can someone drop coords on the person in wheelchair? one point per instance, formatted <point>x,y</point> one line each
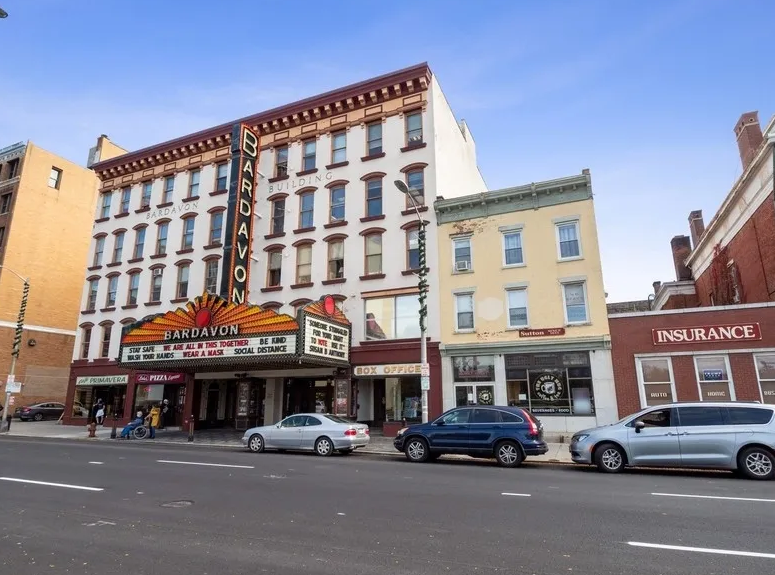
<point>136,422</point>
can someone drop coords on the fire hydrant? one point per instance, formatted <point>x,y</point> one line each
<point>92,428</point>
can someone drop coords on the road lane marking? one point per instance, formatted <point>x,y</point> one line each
<point>204,464</point>
<point>715,497</point>
<point>516,494</point>
<point>702,550</point>
<point>48,484</point>
<point>96,462</point>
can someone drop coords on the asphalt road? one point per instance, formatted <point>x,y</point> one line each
<point>150,511</point>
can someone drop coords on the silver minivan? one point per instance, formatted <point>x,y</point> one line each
<point>731,435</point>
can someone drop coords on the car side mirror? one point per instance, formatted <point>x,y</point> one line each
<point>638,425</point>
<point>277,426</point>
<point>439,422</point>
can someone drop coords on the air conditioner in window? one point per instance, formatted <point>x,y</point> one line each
<point>462,266</point>
<point>158,272</point>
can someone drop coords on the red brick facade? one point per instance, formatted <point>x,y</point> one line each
<point>631,336</point>
<point>753,252</point>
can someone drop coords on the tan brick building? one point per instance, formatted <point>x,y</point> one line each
<point>46,208</point>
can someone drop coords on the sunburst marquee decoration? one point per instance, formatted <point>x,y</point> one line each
<point>209,312</point>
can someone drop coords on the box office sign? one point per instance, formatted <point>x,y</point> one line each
<point>97,380</point>
<point>388,370</point>
<point>707,334</point>
<point>210,331</point>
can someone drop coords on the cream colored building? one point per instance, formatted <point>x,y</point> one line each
<point>524,318</point>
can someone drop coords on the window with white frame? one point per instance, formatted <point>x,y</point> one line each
<point>99,250</point>
<point>193,183</point>
<point>85,342</point>
<point>91,298</point>
<point>55,178</point>
<point>157,277</point>
<point>126,198</point>
<point>517,302</point>
<point>211,276</point>
<point>512,248</point>
<point>139,243</point>
<point>221,177</point>
<point>765,370</point>
<point>145,199</point>
<point>105,205</point>
<point>575,302</point>
<point>169,189</point>
<point>309,148</point>
<point>568,243</point>
<point>464,312</point>
<point>110,298</point>
<point>656,378</point>
<point>134,288</point>
<point>338,148</point>
<point>181,289</point>
<point>105,344</point>
<point>461,248</point>
<point>187,241</point>
<point>118,247</point>
<point>713,378</point>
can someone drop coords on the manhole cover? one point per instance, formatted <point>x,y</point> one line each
<point>178,504</point>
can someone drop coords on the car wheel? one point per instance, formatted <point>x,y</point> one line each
<point>324,447</point>
<point>756,463</point>
<point>256,443</point>
<point>38,417</point>
<point>609,458</point>
<point>347,451</point>
<point>508,454</point>
<point>417,451</point>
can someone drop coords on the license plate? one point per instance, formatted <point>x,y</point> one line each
<point>361,432</point>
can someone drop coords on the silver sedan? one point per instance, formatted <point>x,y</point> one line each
<point>319,432</point>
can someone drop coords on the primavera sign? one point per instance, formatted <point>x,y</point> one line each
<point>210,332</point>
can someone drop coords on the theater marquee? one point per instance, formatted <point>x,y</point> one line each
<point>211,332</point>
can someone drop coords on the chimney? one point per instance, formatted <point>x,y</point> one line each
<point>749,137</point>
<point>656,286</point>
<point>696,226</point>
<point>682,247</point>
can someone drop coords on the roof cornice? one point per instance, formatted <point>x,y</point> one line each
<point>366,93</point>
<point>764,152</point>
<point>571,188</point>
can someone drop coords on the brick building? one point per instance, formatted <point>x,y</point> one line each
<point>46,208</point>
<point>710,333</point>
<point>721,353</point>
<point>732,259</point>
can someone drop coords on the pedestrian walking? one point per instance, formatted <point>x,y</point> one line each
<point>165,410</point>
<point>100,414</point>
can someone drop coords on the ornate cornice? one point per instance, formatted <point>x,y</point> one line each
<point>362,94</point>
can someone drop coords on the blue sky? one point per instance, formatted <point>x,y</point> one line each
<point>645,94</point>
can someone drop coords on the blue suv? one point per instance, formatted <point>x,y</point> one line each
<point>508,434</point>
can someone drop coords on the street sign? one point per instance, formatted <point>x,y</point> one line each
<point>425,370</point>
<point>13,386</point>
<point>425,383</point>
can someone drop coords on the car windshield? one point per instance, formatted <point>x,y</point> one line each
<point>336,418</point>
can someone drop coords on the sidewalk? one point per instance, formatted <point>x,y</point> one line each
<point>379,445</point>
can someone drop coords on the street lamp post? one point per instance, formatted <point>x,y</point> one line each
<point>423,285</point>
<point>17,342</point>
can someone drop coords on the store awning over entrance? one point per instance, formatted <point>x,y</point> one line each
<point>210,334</point>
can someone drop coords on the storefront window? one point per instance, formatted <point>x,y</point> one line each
<point>392,317</point>
<point>403,399</point>
<point>87,396</point>
<point>713,378</point>
<point>472,371</point>
<point>765,368</point>
<point>657,378</point>
<point>550,383</point>
<point>148,396</point>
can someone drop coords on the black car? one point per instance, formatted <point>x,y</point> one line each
<point>40,411</point>
<point>508,434</point>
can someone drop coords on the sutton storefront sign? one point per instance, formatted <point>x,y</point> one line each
<point>543,332</point>
<point>210,331</point>
<point>707,334</point>
<point>239,218</point>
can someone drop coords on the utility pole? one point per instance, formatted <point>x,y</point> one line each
<point>17,342</point>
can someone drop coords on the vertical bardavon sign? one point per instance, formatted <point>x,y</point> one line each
<point>239,220</point>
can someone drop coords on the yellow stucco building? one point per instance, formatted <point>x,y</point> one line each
<point>524,318</point>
